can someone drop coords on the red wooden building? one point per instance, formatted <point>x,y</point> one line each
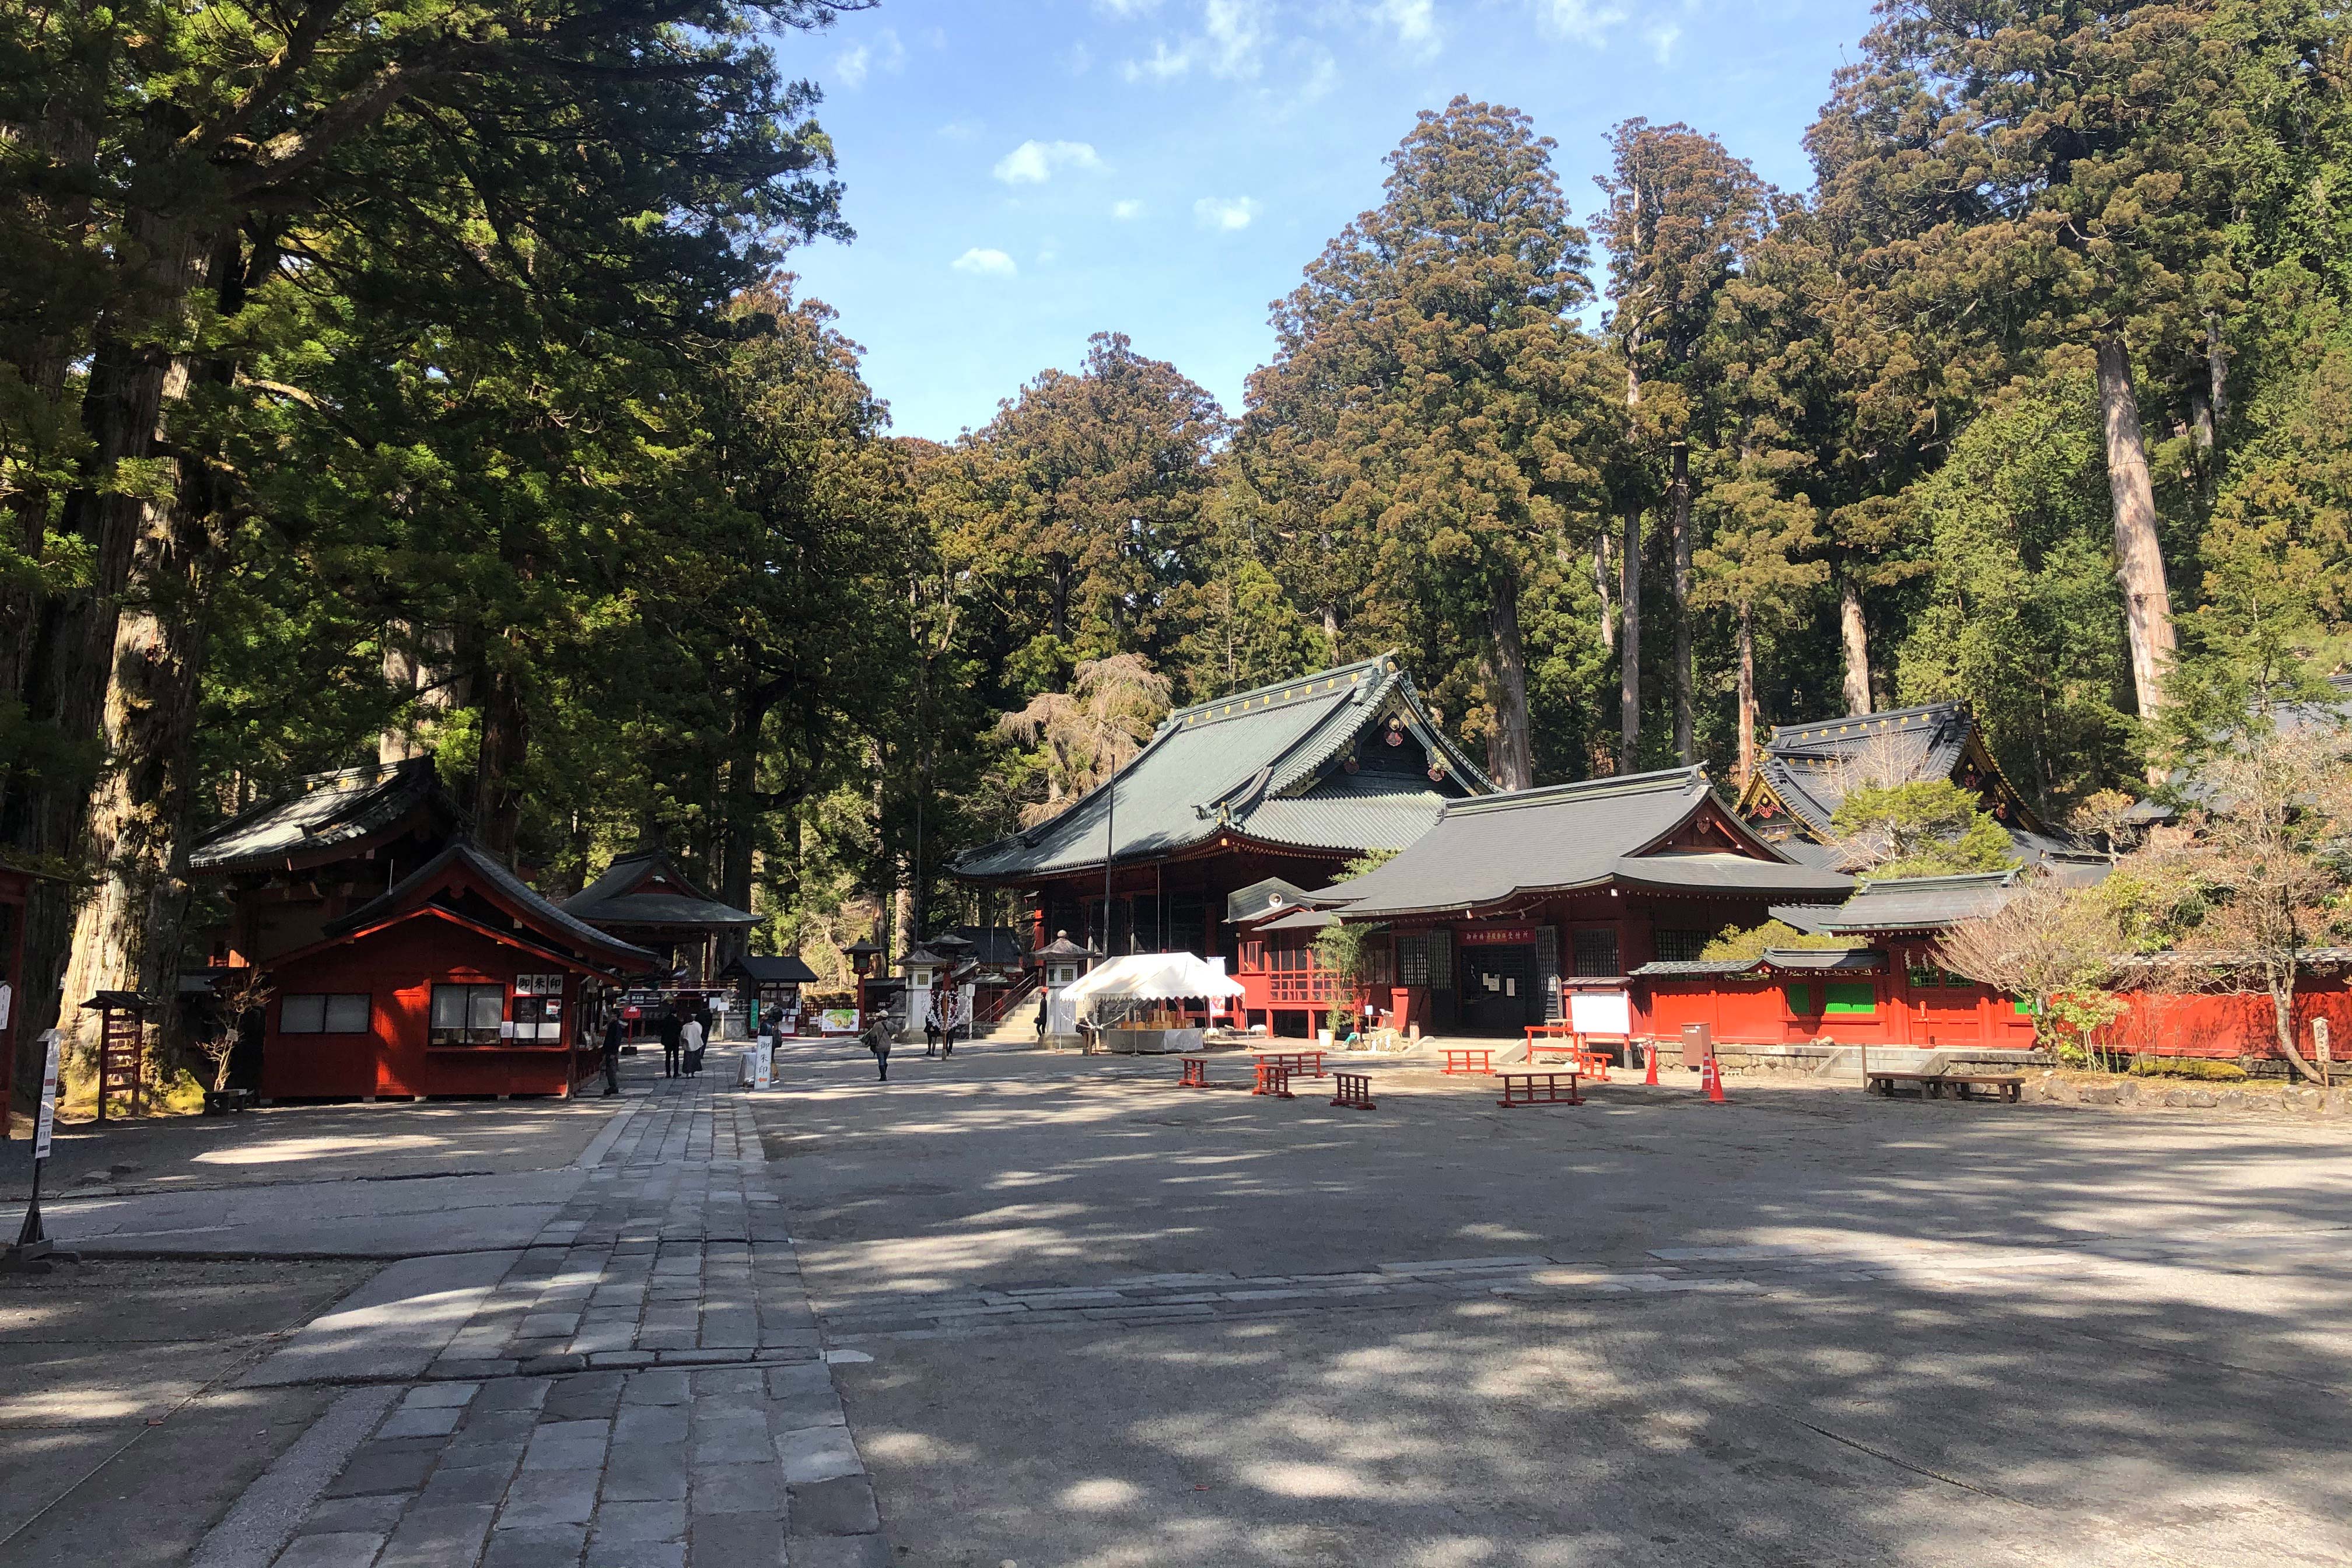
<point>1891,992</point>
<point>1510,903</point>
<point>1288,781</point>
<point>294,865</point>
<point>459,980</point>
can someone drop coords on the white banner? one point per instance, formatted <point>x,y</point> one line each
<point>1600,1011</point>
<point>48,1119</point>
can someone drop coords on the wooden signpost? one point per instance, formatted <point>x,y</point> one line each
<point>32,1253</point>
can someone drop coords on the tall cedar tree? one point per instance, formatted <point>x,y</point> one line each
<point>1681,218</point>
<point>1427,372</point>
<point>2028,177</point>
<point>217,143</point>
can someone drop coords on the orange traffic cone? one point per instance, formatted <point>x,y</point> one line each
<point>1711,1074</point>
<point>1651,1079</point>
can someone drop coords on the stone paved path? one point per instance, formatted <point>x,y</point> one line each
<point>642,1388</point>
<point>1138,1300</point>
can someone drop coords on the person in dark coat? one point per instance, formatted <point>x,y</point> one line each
<point>672,1029</point>
<point>878,1040</point>
<point>614,1033</point>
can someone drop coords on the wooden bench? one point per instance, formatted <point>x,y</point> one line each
<point>2006,1087</point>
<point>1471,1059</point>
<point>1274,1078</point>
<point>1529,1087</point>
<point>1355,1090</point>
<point>1576,1048</point>
<point>1308,1064</point>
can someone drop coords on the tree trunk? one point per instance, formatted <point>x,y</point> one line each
<point>2281,990</point>
<point>1513,751</point>
<point>2217,371</point>
<point>1855,638</point>
<point>506,742</point>
<point>1629,646</point>
<point>2140,558</point>
<point>1604,587</point>
<point>419,666</point>
<point>1685,737</point>
<point>1331,630</point>
<point>134,379</point>
<point>1747,694</point>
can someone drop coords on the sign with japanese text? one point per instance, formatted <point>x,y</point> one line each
<point>48,1115</point>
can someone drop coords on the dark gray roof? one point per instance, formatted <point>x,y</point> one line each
<point>1572,836</point>
<point>550,918</point>
<point>1302,920</point>
<point>610,901</point>
<point>1809,766</point>
<point>1920,903</point>
<point>1248,903</point>
<point>1864,960</point>
<point>2186,787</point>
<point>770,969</point>
<point>1265,765</point>
<point>326,811</point>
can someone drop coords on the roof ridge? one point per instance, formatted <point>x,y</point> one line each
<point>1946,880</point>
<point>1583,789</point>
<point>1298,686</point>
<point>1833,726</point>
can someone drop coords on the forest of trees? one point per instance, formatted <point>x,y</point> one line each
<point>377,379</point>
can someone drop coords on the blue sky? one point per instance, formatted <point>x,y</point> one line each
<point>1023,174</point>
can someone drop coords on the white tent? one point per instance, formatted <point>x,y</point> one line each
<point>1153,977</point>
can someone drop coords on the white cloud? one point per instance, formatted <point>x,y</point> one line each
<point>1238,35</point>
<point>1077,59</point>
<point>1321,77</point>
<point>1233,43</point>
<point>1225,216</point>
<point>985,263</point>
<point>1414,21</point>
<point>1165,64</point>
<point>1585,21</point>
<point>1125,210</point>
<point>1127,9</point>
<point>1035,162</point>
<point>886,53</point>
<point>1662,40</point>
<point>961,129</point>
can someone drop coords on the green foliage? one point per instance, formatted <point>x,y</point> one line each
<point>2198,1068</point>
<point>2022,617</point>
<point>1930,828</point>
<point>1734,944</point>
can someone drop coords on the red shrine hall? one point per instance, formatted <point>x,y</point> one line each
<point>1512,905</point>
<point>404,961</point>
<point>1280,786</point>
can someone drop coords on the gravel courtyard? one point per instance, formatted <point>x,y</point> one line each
<point>1113,1322</point>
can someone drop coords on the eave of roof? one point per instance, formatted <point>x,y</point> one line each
<point>529,905</point>
<point>330,816</point>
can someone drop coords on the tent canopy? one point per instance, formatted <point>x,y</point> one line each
<point>1153,977</point>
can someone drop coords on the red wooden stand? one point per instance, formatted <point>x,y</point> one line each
<point>1355,1091</point>
<point>1539,1089</point>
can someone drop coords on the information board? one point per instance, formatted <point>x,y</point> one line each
<point>1600,1011</point>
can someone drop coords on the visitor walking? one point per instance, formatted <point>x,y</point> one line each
<point>672,1030</point>
<point>950,1015</point>
<point>615,1032</point>
<point>878,1040</point>
<point>692,1036</point>
<point>931,1026</point>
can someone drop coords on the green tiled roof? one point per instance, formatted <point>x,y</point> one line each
<point>1264,765</point>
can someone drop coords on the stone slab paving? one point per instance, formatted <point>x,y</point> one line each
<point>643,1387</point>
<point>1159,1299</point>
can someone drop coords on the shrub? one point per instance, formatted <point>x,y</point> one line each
<point>2187,1066</point>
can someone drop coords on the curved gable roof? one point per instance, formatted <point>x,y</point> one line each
<point>1255,764</point>
<point>461,861</point>
<point>1573,836</point>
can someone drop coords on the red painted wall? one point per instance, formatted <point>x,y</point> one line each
<point>2229,1026</point>
<point>397,968</point>
<point>1742,1011</point>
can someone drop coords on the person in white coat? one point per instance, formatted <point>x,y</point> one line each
<point>690,1036</point>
